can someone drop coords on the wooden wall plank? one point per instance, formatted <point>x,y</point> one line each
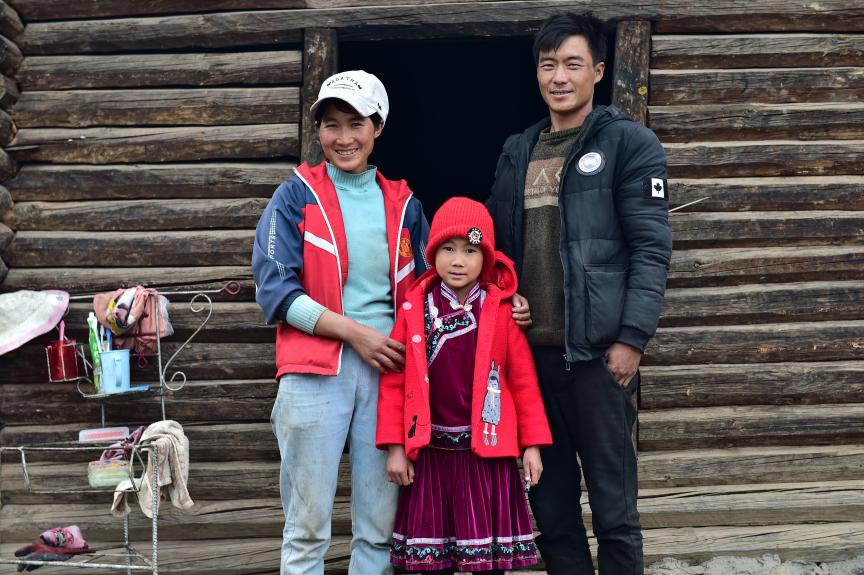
<point>761,194</point>
<point>7,129</point>
<point>6,237</point>
<point>765,158</point>
<point>767,86</point>
<point>8,92</point>
<point>666,387</point>
<point>157,144</point>
<point>128,215</point>
<point>185,248</point>
<point>8,166</point>
<point>840,121</point>
<point>84,280</point>
<point>422,20</point>
<point>320,61</point>
<point>10,21</point>
<point>632,62</point>
<point>114,182</point>
<point>762,343</point>
<point>692,268</point>
<point>153,70</point>
<point>741,465</point>
<point>10,56</point>
<point>36,10</point>
<point>178,107</point>
<point>736,426</point>
<point>724,229</point>
<point>4,271</point>
<point>680,52</point>
<point>748,304</point>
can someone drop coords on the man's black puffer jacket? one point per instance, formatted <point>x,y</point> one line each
<point>615,238</point>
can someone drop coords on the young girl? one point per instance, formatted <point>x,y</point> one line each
<point>466,403</point>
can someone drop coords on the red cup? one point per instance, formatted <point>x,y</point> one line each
<point>62,360</point>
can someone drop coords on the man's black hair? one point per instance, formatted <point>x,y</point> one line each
<point>342,106</point>
<point>556,29</point>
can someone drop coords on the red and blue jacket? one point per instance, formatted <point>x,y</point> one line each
<point>300,248</point>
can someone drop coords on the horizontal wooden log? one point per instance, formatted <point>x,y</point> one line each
<point>755,122</point>
<point>152,70</point>
<point>5,204</point>
<point>767,86</point>
<point>36,10</point>
<point>747,304</point>
<point>7,129</point>
<point>157,144</point>
<point>175,107</point>
<point>8,166</point>
<point>10,22</point>
<point>9,93</point>
<point>737,426</point>
<point>738,465</point>
<point>764,194</point>
<point>128,215</point>
<point>6,236</point>
<point>190,248</point>
<point>692,268</point>
<point>198,180</point>
<point>200,361</point>
<point>10,57</point>
<point>740,384</point>
<point>765,158</point>
<point>763,343</point>
<point>84,280</point>
<point>756,51</point>
<point>4,271</point>
<point>723,229</point>
<point>207,442</point>
<point>423,20</point>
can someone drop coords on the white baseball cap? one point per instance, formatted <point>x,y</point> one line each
<point>362,90</point>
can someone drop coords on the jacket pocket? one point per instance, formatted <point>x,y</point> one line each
<point>605,287</point>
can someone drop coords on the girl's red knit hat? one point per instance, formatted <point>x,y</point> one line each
<point>463,218</point>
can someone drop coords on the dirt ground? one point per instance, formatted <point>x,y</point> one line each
<point>765,565</point>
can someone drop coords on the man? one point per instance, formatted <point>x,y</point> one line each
<point>580,201</point>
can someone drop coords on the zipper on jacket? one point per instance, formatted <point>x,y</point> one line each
<point>396,254</point>
<point>338,261</point>
<point>561,235</point>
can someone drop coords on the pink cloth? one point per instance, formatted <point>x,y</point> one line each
<point>131,317</point>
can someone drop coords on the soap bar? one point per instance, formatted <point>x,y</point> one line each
<point>107,473</point>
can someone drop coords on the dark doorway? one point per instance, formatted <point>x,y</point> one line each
<point>452,105</point>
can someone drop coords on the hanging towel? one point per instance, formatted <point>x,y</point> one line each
<point>173,457</point>
<point>130,314</point>
<point>26,314</point>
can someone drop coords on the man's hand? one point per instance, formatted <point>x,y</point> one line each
<point>532,466</point>
<point>381,352</point>
<point>521,311</point>
<point>400,470</point>
<point>623,361</point>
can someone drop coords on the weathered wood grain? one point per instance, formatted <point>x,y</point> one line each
<point>114,182</point>
<point>4,271</point>
<point>151,70</point>
<point>692,268</point>
<point>128,215</point>
<point>8,166</point>
<point>725,229</point>
<point>765,158</point>
<point>6,237</point>
<point>10,21</point>
<point>10,56</point>
<point>739,465</point>
<point>763,343</point>
<point>320,58</point>
<point>754,303</point>
<point>757,121</point>
<point>9,93</point>
<point>36,10</point>
<point>738,426</point>
<point>5,204</point>
<point>756,51</point>
<point>765,194</point>
<point>767,85</point>
<point>83,281</point>
<point>177,107</point>
<point>422,20</point>
<point>7,128</point>
<point>157,144</point>
<point>632,62</point>
<point>791,383</point>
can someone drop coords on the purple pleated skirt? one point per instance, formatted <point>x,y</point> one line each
<point>463,511</point>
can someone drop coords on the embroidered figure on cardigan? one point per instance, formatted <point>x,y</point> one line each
<point>492,405</point>
<point>413,429</point>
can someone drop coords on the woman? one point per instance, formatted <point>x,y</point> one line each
<point>335,251</point>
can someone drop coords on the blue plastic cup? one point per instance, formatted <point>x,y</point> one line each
<point>115,371</point>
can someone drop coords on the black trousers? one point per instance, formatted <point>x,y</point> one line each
<point>590,415</point>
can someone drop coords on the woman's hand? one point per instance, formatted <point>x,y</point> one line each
<point>381,352</point>
<point>521,311</point>
<point>532,466</point>
<point>400,470</point>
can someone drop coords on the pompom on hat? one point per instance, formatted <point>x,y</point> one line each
<point>464,218</point>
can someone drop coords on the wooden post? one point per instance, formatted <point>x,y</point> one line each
<point>632,61</point>
<point>320,57</point>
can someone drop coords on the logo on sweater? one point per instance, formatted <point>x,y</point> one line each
<point>590,163</point>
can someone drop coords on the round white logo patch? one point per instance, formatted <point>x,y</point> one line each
<point>590,163</point>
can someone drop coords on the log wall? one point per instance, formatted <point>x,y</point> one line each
<point>145,139</point>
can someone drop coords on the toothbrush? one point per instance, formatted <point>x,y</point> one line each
<point>62,330</point>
